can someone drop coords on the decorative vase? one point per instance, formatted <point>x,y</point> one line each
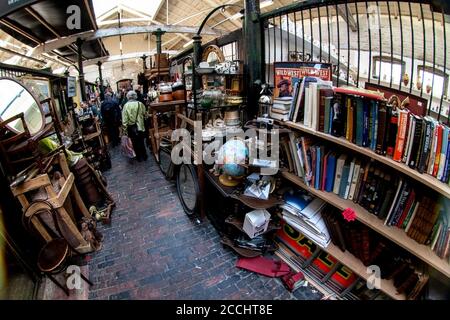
<point>419,84</point>
<point>405,79</point>
<point>428,88</point>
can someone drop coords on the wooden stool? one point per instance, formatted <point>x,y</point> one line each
<point>52,260</point>
<point>54,255</point>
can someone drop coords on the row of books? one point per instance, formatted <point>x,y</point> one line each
<point>396,200</point>
<point>368,120</point>
<point>371,249</point>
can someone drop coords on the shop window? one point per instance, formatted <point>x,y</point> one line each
<point>231,51</point>
<point>383,72</point>
<point>440,84</point>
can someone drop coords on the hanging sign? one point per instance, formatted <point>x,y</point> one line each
<point>71,87</point>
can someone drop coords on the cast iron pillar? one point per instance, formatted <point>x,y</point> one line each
<point>80,69</point>
<point>197,58</point>
<point>100,77</point>
<point>144,64</point>
<point>253,57</point>
<point>158,33</point>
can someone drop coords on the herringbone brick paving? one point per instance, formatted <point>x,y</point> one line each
<point>152,250</point>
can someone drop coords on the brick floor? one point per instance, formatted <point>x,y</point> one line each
<point>152,250</point>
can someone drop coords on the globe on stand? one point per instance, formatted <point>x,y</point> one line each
<point>231,158</point>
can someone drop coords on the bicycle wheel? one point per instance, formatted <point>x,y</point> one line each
<point>165,163</point>
<point>188,188</point>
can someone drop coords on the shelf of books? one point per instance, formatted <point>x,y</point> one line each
<point>397,235</point>
<point>426,179</point>
<point>347,259</point>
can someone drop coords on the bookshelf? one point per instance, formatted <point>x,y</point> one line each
<point>424,178</point>
<point>354,264</point>
<point>392,233</point>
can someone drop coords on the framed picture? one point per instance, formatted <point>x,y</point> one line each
<point>288,73</point>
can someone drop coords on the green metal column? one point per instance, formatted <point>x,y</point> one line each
<point>158,33</point>
<point>100,78</point>
<point>80,69</point>
<point>253,57</point>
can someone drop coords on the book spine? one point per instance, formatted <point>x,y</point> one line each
<point>418,137</point>
<point>401,134</point>
<point>373,140</point>
<point>411,138</point>
<point>349,122</point>
<point>337,179</point>
<point>408,137</point>
<point>423,155</point>
<point>358,184</point>
<point>434,140</point>
<point>349,179</point>
<point>382,124</point>
<point>391,131</point>
<point>438,151</point>
<point>443,158</point>
<point>321,125</point>
<point>331,169</point>
<point>354,181</point>
<point>366,127</point>
<point>447,160</point>
<point>359,121</point>
<point>294,101</point>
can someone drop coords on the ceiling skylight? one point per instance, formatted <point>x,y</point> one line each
<point>144,6</point>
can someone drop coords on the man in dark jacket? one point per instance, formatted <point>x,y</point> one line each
<point>111,115</point>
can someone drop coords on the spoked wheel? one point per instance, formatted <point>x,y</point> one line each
<point>165,163</point>
<point>188,188</point>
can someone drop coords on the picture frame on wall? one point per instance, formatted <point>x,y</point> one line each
<point>286,74</point>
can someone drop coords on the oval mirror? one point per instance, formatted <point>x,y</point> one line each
<point>16,98</point>
<point>213,55</point>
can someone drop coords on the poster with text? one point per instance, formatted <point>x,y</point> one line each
<point>288,73</point>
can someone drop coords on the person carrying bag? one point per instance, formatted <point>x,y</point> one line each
<point>133,115</point>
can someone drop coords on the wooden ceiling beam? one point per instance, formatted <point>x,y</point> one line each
<point>111,32</point>
<point>225,13</point>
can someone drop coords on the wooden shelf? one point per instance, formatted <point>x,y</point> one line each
<point>394,234</point>
<point>230,192</point>
<point>92,136</point>
<point>349,260</point>
<point>426,179</point>
<point>314,282</point>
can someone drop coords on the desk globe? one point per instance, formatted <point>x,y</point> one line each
<point>231,158</point>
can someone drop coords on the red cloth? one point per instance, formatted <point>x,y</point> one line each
<point>264,266</point>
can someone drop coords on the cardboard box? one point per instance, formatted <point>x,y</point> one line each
<point>256,222</point>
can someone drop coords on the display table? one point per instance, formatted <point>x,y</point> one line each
<point>156,133</point>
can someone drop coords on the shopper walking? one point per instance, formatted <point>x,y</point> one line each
<point>133,124</point>
<point>111,115</point>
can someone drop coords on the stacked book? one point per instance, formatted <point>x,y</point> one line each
<point>281,108</point>
<point>303,212</point>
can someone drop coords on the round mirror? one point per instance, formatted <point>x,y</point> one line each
<point>17,99</point>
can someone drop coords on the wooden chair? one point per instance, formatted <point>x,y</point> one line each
<point>55,255</point>
<point>19,150</point>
